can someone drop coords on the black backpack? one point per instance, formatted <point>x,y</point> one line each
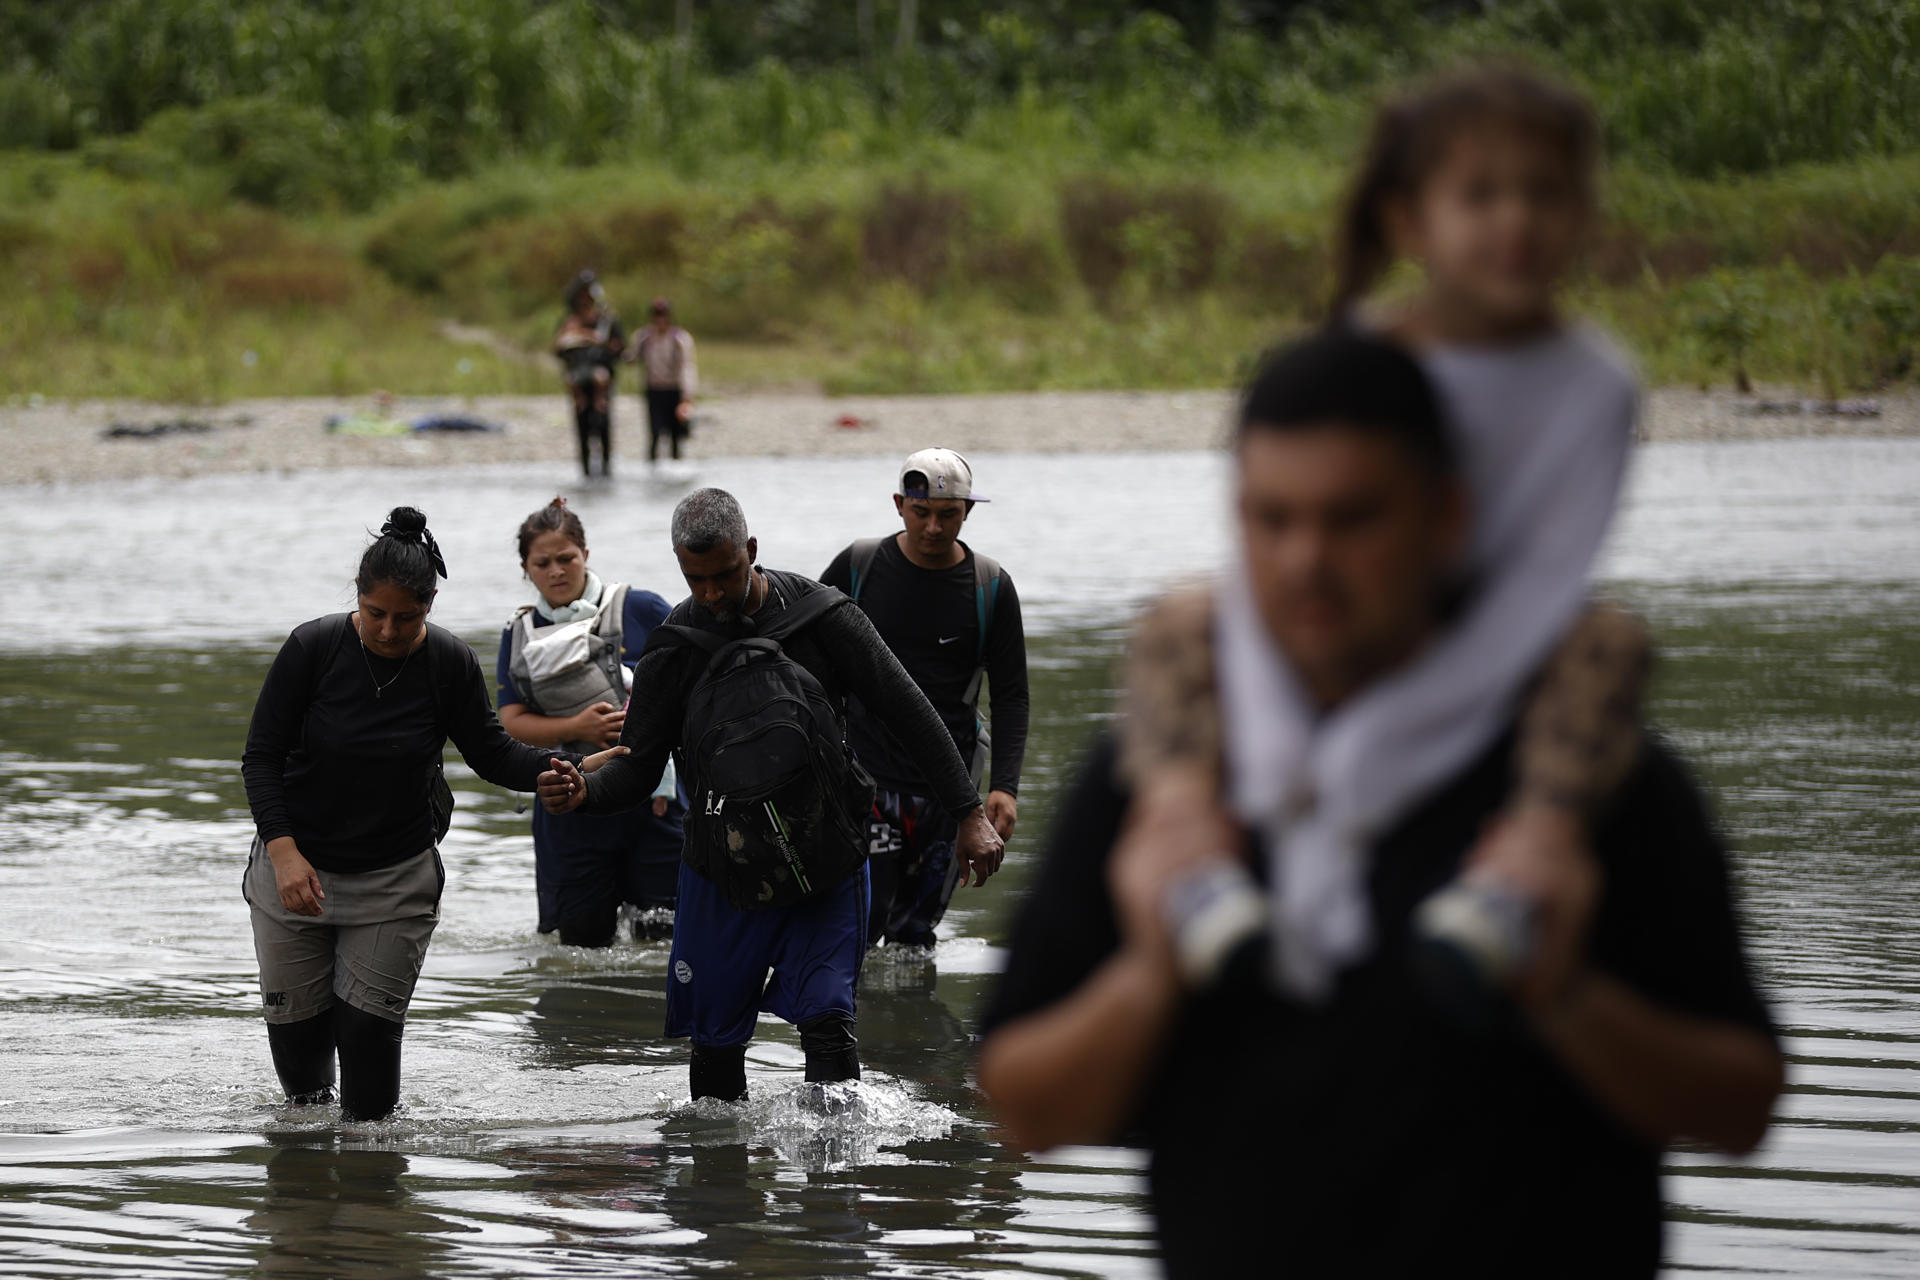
<point>779,805</point>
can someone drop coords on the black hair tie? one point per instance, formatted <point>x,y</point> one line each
<point>433,549</point>
<point>420,538</point>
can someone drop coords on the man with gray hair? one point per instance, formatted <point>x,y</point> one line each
<point>762,662</point>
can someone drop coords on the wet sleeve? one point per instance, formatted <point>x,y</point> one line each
<point>839,574</point>
<point>505,693</point>
<point>279,715</point>
<point>1067,927</point>
<point>1667,925</point>
<point>644,611</point>
<point>1007,690</point>
<point>652,729</point>
<point>689,370</point>
<point>868,670</point>
<point>475,730</point>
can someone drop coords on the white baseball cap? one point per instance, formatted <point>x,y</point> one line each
<point>948,476</point>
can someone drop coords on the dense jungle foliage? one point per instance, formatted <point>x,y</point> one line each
<point>892,194</point>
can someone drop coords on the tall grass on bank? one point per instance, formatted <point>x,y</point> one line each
<point>964,270</point>
<point>209,198</point>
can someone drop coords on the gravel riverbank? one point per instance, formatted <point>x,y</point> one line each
<point>66,442</point>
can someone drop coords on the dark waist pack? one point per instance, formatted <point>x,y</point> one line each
<point>779,805</point>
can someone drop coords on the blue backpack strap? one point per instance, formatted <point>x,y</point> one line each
<point>986,591</point>
<point>859,564</point>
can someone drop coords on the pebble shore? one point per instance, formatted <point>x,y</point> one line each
<point>63,442</point>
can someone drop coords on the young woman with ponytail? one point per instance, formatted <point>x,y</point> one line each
<point>562,679</point>
<point>1483,184</point>
<point>342,770</point>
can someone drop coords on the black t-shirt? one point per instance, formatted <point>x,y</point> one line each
<point>930,619</point>
<point>1372,1136</point>
<point>347,773</point>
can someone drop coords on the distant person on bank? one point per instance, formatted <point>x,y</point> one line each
<point>774,890</point>
<point>563,669</point>
<point>952,617</point>
<point>665,353</point>
<point>1367,1127</point>
<point>590,338</point>
<point>342,770</point>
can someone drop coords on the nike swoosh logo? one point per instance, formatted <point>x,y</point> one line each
<point>948,639</point>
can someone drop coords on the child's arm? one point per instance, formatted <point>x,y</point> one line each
<point>1580,732</point>
<point>1170,721</point>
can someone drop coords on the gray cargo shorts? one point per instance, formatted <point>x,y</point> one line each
<point>366,947</point>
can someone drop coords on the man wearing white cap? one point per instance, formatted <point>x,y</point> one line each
<point>952,618</point>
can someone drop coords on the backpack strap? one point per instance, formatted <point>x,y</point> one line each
<point>442,673</point>
<point>791,619</point>
<point>803,611</point>
<point>669,635</point>
<point>340,635</point>
<point>859,564</point>
<point>986,591</point>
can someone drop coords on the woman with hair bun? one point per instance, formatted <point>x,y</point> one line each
<point>342,770</point>
<point>563,674</point>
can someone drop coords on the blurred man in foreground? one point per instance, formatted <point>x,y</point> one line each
<point>1372,1129</point>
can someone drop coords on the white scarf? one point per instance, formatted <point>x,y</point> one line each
<point>585,607</point>
<point>1545,431</point>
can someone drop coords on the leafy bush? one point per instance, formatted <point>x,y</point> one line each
<point>1880,317</point>
<point>909,233</point>
<point>1730,316</point>
<point>414,244</point>
<point>272,153</point>
<point>443,87</point>
<point>34,111</point>
<point>1166,240</point>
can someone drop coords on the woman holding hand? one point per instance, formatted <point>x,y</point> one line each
<point>342,770</point>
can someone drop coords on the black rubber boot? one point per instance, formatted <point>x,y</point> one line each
<point>591,928</point>
<point>583,428</point>
<point>601,428</point>
<point>303,1057</point>
<point>833,1052</point>
<point>719,1071</point>
<point>369,1063</point>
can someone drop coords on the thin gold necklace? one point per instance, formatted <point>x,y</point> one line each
<point>377,686</point>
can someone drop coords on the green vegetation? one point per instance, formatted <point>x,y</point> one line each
<point>209,198</point>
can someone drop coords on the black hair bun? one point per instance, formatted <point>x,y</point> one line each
<point>405,522</point>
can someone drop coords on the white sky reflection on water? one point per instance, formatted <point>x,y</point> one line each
<point>138,1122</point>
<point>223,558</point>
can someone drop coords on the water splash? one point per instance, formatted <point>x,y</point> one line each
<point>821,1128</point>
<point>899,966</point>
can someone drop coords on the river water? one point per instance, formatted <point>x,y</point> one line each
<point>545,1130</point>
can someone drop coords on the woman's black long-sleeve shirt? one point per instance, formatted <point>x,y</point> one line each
<point>347,772</point>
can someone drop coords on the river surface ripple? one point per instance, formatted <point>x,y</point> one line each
<point>545,1129</point>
